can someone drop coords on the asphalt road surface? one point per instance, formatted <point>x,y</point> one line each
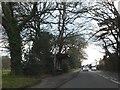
<point>90,79</point>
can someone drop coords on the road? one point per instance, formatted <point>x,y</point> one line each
<point>90,79</point>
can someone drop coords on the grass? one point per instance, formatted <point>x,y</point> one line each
<point>12,81</point>
<point>6,72</point>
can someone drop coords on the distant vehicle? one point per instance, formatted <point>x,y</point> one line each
<point>93,68</point>
<point>85,68</point>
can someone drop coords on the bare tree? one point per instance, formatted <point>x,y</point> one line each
<point>108,18</point>
<point>13,27</point>
<point>105,13</point>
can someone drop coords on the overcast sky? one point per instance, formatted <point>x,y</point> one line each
<point>94,53</point>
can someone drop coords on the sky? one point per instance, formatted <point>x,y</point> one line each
<point>117,5</point>
<point>94,53</point>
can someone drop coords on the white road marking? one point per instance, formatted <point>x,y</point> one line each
<point>109,78</point>
<point>115,81</point>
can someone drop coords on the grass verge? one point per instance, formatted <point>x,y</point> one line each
<point>12,81</point>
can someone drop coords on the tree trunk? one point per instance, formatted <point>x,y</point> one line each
<point>15,53</point>
<point>15,44</point>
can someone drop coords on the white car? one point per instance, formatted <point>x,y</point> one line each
<point>85,68</point>
<point>93,68</point>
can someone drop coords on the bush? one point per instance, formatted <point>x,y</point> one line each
<point>65,65</point>
<point>34,66</point>
<point>39,60</point>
